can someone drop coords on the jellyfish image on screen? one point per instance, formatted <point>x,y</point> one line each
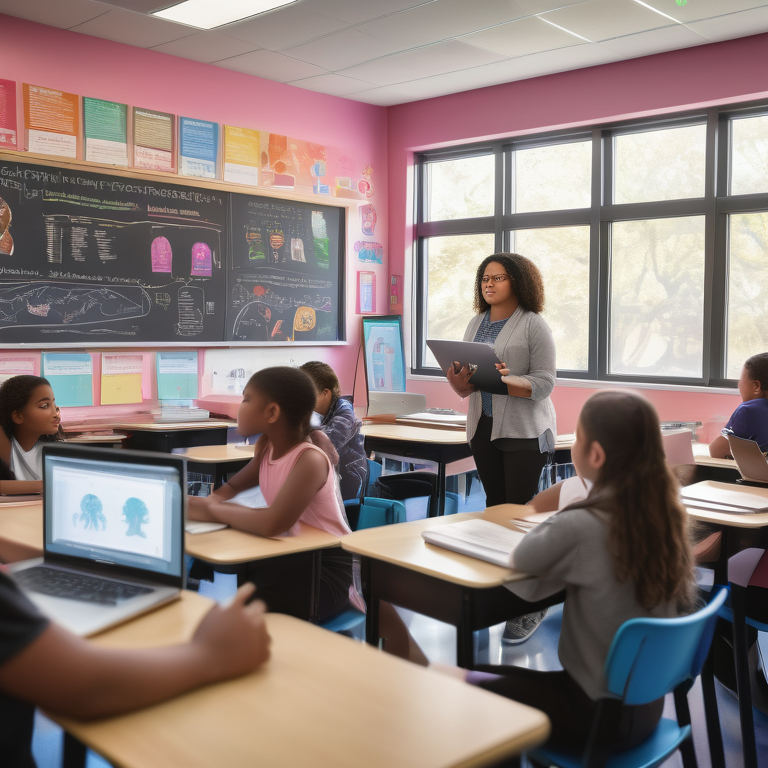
<point>91,513</point>
<point>136,514</point>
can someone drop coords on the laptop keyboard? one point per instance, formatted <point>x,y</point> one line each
<point>77,586</point>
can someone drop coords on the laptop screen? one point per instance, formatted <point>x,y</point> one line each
<point>122,512</point>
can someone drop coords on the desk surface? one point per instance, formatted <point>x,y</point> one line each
<point>402,545</point>
<point>406,432</point>
<point>218,454</point>
<point>703,459</point>
<point>321,700</point>
<point>170,426</point>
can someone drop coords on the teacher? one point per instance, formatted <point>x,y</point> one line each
<point>510,435</point>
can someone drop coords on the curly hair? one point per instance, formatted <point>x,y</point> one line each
<point>14,395</point>
<point>527,283</point>
<point>323,376</point>
<point>757,370</point>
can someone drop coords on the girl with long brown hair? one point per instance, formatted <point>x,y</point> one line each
<point>621,553</point>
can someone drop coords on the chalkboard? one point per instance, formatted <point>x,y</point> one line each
<point>87,257</point>
<point>286,277</point>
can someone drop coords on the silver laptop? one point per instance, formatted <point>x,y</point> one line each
<point>395,403</point>
<point>113,536</point>
<point>752,465</point>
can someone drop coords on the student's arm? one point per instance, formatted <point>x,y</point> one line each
<point>551,549</point>
<point>539,382</point>
<point>720,448</point>
<point>69,676</point>
<point>21,486</point>
<point>302,484</point>
<point>547,500</point>
<point>341,428</point>
<point>323,442</point>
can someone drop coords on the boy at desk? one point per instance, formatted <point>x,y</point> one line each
<point>750,420</point>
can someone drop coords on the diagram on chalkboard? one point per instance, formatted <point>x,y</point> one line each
<point>53,303</point>
<point>191,301</point>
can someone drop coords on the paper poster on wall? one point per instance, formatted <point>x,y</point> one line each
<point>366,293</point>
<point>368,219</point>
<point>177,375</point>
<point>198,148</point>
<point>384,354</point>
<point>71,377</point>
<point>51,120</point>
<point>105,125</point>
<point>153,140</point>
<point>16,366</point>
<point>396,295</point>
<point>241,155</point>
<point>8,127</point>
<point>372,253</point>
<point>121,379</point>
<point>365,185</point>
<point>276,163</point>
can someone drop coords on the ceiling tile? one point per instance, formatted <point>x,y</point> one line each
<point>387,95</point>
<point>444,19</point>
<point>358,11</point>
<point>602,19</point>
<point>703,9</point>
<point>422,62</point>
<point>272,65</point>
<point>207,47</point>
<point>54,13</point>
<point>336,85</point>
<point>342,49</point>
<point>518,38</point>
<point>133,29</point>
<point>283,27</point>
<point>141,6</point>
<point>733,25</point>
<point>645,43</point>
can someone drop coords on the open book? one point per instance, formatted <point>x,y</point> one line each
<point>477,538</point>
<point>725,497</point>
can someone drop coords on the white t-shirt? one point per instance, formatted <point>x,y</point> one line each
<point>573,489</point>
<point>27,465</point>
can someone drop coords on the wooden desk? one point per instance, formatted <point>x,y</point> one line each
<point>398,566</point>
<point>321,700</point>
<point>429,444</point>
<point>218,460</point>
<point>21,530</point>
<point>708,468</point>
<point>165,436</point>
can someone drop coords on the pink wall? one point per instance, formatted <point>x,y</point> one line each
<point>89,66</point>
<point>719,73</point>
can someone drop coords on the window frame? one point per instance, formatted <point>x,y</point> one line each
<point>715,206</point>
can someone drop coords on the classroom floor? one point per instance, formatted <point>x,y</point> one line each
<point>438,640</point>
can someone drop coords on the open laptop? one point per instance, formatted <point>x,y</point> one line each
<point>753,466</point>
<point>113,536</point>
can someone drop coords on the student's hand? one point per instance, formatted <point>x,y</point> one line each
<point>198,508</point>
<point>234,639</point>
<point>458,377</point>
<point>502,369</point>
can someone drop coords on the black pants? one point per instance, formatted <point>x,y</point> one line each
<point>509,477</point>
<point>569,709</point>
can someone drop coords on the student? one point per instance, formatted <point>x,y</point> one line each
<point>750,419</point>
<point>621,553</point>
<point>342,427</point>
<point>42,664</point>
<point>299,485</point>
<point>29,417</point>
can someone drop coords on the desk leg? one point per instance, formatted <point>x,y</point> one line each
<point>314,595</point>
<point>465,654</point>
<point>74,752</point>
<point>371,603</point>
<point>437,501</point>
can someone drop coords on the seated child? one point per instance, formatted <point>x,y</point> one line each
<point>29,417</point>
<point>342,427</point>
<point>750,419</point>
<point>42,664</point>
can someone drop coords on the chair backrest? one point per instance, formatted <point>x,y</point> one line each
<point>678,448</point>
<point>651,657</point>
<point>376,512</point>
<point>749,459</point>
<point>374,473</point>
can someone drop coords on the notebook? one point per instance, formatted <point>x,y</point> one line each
<point>113,536</point>
<point>752,464</point>
<point>477,538</point>
<point>725,497</point>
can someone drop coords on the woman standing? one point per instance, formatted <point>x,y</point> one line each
<point>511,435</point>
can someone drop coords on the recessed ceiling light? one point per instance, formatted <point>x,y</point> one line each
<point>656,10</point>
<point>207,14</point>
<point>563,29</point>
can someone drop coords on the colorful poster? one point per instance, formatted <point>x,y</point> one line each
<point>276,162</point>
<point>384,354</point>
<point>241,155</point>
<point>16,366</point>
<point>369,252</point>
<point>105,124</point>
<point>153,140</point>
<point>71,377</point>
<point>366,293</point>
<point>198,147</point>
<point>52,121</point>
<point>396,295</point>
<point>121,379</point>
<point>177,375</point>
<point>8,138</point>
<point>368,219</point>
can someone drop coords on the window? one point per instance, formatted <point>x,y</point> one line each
<point>652,238</point>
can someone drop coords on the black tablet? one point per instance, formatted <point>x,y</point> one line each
<point>486,378</point>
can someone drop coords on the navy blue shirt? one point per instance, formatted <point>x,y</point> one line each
<point>343,430</point>
<point>750,422</point>
<point>487,333</point>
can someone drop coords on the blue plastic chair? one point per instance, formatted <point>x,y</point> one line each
<point>647,659</point>
<point>375,512</point>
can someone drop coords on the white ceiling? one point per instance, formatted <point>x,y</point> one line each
<point>393,51</point>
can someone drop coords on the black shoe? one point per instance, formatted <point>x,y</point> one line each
<point>519,629</point>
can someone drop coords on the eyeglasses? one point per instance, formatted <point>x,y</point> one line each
<point>496,278</point>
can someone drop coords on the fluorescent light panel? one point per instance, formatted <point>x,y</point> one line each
<point>207,14</point>
<point>656,10</point>
<point>563,29</point>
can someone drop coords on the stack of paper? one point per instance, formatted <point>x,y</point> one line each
<point>449,419</point>
<point>477,538</point>
<point>176,413</point>
<point>725,497</point>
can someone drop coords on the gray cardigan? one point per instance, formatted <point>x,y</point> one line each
<point>526,345</point>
